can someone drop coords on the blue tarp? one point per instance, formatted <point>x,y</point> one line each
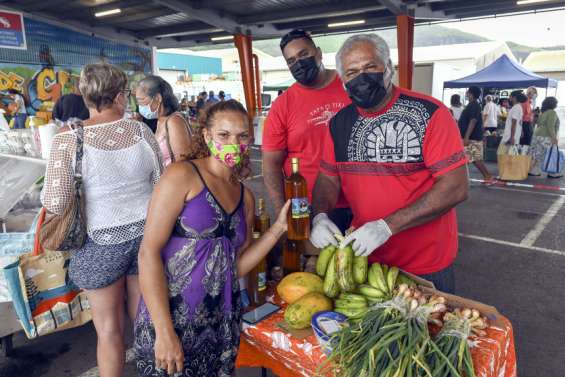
<point>503,73</point>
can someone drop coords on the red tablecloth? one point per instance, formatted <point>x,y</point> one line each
<point>267,345</point>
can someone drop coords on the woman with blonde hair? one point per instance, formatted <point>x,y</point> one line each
<point>120,165</point>
<point>196,245</point>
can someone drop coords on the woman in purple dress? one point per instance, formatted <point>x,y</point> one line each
<point>195,247</point>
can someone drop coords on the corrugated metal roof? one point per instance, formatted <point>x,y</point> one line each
<point>260,18</point>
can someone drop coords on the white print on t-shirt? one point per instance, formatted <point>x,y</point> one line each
<point>394,136</point>
<point>321,115</point>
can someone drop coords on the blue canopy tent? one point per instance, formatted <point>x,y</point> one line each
<point>503,73</point>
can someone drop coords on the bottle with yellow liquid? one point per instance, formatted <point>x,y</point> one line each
<point>296,189</point>
<point>257,280</point>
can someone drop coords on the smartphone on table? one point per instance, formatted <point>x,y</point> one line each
<point>260,313</point>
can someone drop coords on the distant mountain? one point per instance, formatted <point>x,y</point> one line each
<point>522,52</point>
<point>424,35</point>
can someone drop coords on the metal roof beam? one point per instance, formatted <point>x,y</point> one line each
<point>413,9</point>
<point>179,29</point>
<point>102,32</point>
<point>134,17</point>
<point>310,13</point>
<point>221,21</point>
<point>497,9</point>
<point>322,23</point>
<point>396,7</point>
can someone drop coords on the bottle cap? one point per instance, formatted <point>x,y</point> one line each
<point>256,235</point>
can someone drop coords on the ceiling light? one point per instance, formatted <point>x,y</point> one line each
<point>347,23</point>
<point>108,12</point>
<point>224,38</point>
<point>524,2</point>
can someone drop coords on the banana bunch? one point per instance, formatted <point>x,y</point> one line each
<point>341,269</point>
<point>354,285</point>
<point>352,305</point>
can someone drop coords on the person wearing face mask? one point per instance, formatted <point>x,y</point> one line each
<point>298,119</point>
<point>156,100</point>
<point>120,165</point>
<point>528,116</point>
<point>398,157</point>
<point>197,243</point>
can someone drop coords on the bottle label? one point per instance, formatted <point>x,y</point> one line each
<point>261,281</point>
<point>300,208</point>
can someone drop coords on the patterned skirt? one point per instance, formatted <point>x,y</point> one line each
<point>540,145</point>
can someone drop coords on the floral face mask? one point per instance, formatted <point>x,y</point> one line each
<point>229,154</point>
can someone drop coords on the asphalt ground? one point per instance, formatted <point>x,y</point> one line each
<point>511,256</point>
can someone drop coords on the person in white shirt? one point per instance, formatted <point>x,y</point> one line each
<point>490,114</point>
<point>513,127</point>
<point>456,107</point>
<point>121,163</point>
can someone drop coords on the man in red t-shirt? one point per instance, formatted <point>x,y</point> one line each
<point>298,120</point>
<point>398,157</point>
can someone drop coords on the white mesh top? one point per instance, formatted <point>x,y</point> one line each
<point>121,163</point>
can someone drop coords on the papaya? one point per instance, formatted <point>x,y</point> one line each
<point>293,286</point>
<point>299,315</point>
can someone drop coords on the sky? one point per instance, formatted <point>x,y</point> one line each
<point>544,29</point>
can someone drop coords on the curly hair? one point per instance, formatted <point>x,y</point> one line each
<point>206,120</point>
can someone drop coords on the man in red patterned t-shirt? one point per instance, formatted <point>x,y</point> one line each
<point>398,158</point>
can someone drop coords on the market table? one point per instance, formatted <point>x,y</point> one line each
<point>266,345</point>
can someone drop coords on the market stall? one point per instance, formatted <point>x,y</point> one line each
<point>266,345</point>
<point>503,73</point>
<point>351,319</point>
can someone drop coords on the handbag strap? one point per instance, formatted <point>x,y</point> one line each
<point>37,248</point>
<point>79,127</point>
<point>168,138</point>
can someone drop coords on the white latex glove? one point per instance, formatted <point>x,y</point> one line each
<point>323,230</point>
<point>368,237</point>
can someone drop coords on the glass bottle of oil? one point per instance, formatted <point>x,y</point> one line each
<point>262,219</point>
<point>296,189</point>
<point>291,256</point>
<point>257,280</point>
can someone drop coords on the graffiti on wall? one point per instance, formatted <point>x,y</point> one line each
<point>42,86</point>
<point>51,64</point>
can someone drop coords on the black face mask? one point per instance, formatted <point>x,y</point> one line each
<point>305,70</point>
<point>367,90</point>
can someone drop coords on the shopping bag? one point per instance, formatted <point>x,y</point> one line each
<point>16,243</point>
<point>44,297</point>
<point>553,160</point>
<point>513,163</point>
